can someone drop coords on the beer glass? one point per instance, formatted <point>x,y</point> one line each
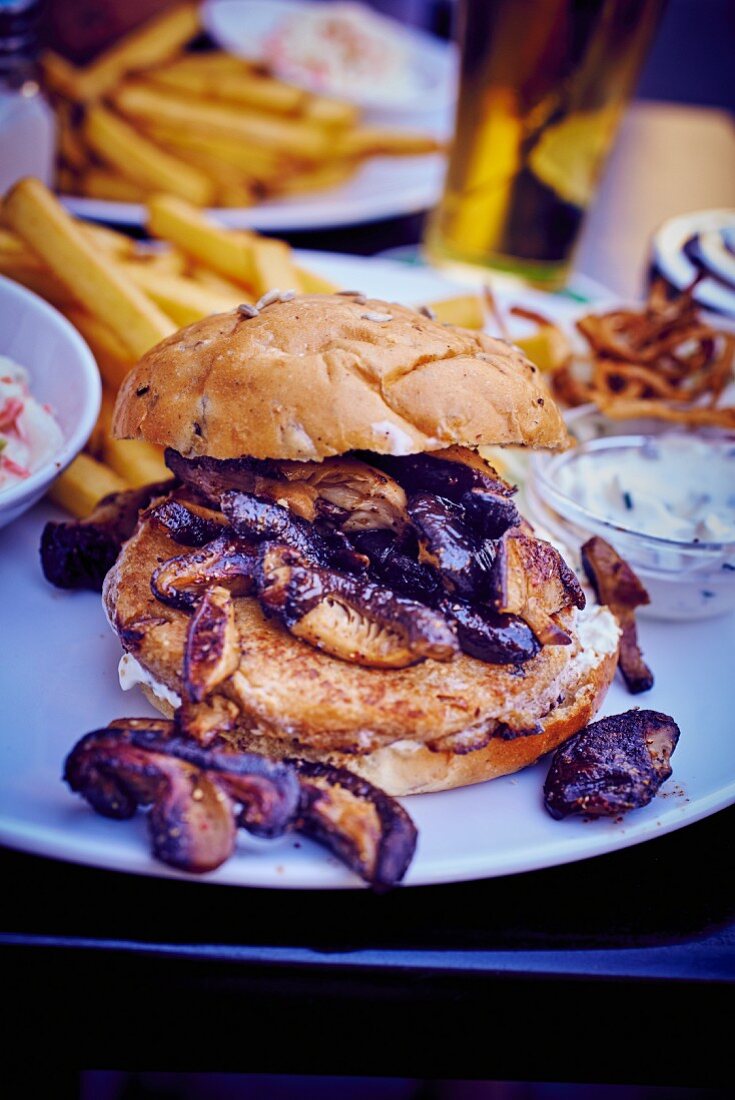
<point>543,84</point>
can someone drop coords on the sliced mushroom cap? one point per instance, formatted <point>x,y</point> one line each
<point>616,585</point>
<point>489,636</point>
<point>612,766</point>
<point>79,554</point>
<point>389,565</point>
<point>262,520</point>
<point>228,562</point>
<point>532,580</point>
<point>212,651</point>
<point>367,829</point>
<point>187,523</point>
<point>210,477</point>
<point>198,795</point>
<point>463,560</point>
<point>366,497</point>
<point>350,617</point>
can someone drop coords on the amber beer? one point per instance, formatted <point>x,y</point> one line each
<point>542,88</point>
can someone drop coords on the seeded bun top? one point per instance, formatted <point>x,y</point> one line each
<point>321,375</point>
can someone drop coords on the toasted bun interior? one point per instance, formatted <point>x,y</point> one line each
<point>322,375</point>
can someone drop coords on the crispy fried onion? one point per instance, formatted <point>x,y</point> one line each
<point>198,797</point>
<point>663,361</point>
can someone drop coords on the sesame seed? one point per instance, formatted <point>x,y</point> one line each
<point>427,311</point>
<point>379,318</point>
<point>246,310</point>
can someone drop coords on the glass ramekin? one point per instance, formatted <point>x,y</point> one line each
<point>685,580</point>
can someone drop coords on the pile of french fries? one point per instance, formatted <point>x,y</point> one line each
<point>148,116</point>
<point>124,297</point>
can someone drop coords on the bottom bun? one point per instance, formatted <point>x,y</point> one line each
<point>409,767</point>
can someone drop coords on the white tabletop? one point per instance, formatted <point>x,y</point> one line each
<point>668,159</point>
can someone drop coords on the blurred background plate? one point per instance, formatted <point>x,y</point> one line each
<point>242,27</point>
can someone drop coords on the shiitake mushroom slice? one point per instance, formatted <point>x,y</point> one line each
<point>80,553</point>
<point>227,562</point>
<point>463,560</point>
<point>347,616</point>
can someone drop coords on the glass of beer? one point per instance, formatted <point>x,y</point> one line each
<point>543,84</point>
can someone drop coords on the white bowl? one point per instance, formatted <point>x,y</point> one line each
<point>61,371</point>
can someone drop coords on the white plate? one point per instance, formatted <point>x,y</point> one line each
<point>242,27</point>
<point>58,679</point>
<point>384,187</point>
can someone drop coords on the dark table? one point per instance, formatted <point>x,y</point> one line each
<point>616,969</point>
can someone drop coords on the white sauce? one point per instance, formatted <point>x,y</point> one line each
<point>400,442</point>
<point>29,435</point>
<point>674,486</point>
<point>131,673</point>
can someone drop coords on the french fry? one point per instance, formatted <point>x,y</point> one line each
<point>83,483</point>
<point>226,253</point>
<point>99,183</point>
<point>35,276</point>
<point>182,299</point>
<point>330,174</point>
<point>466,310</point>
<point>210,61</point>
<point>243,88</point>
<point>96,442</point>
<point>135,461</point>
<point>330,112</point>
<point>13,245</point>
<point>69,141</point>
<point>109,240</point>
<point>158,40</point>
<point>96,281</point>
<point>139,160</point>
<point>296,136</point>
<point>208,278</point>
<point>311,283</point>
<point>168,261</point>
<point>373,141</point>
<point>273,266</point>
<point>60,75</point>
<point>113,357</point>
<point>210,152</point>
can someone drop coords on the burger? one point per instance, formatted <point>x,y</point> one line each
<point>335,573</point>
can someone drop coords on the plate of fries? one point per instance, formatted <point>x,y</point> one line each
<point>154,114</point>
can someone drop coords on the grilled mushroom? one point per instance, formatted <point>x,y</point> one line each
<point>464,477</point>
<point>81,553</point>
<point>490,636</point>
<point>612,766</point>
<point>391,566</point>
<point>531,579</point>
<point>350,617</point>
<point>205,721</point>
<point>367,829</point>
<point>194,796</point>
<point>198,796</point>
<point>228,562</point>
<point>616,585</point>
<point>463,560</point>
<point>261,520</point>
<point>356,492</point>
<point>212,652</point>
<point>186,522</point>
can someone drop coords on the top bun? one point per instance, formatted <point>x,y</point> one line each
<point>321,375</point>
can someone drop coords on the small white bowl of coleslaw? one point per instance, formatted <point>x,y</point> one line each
<point>50,397</point>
